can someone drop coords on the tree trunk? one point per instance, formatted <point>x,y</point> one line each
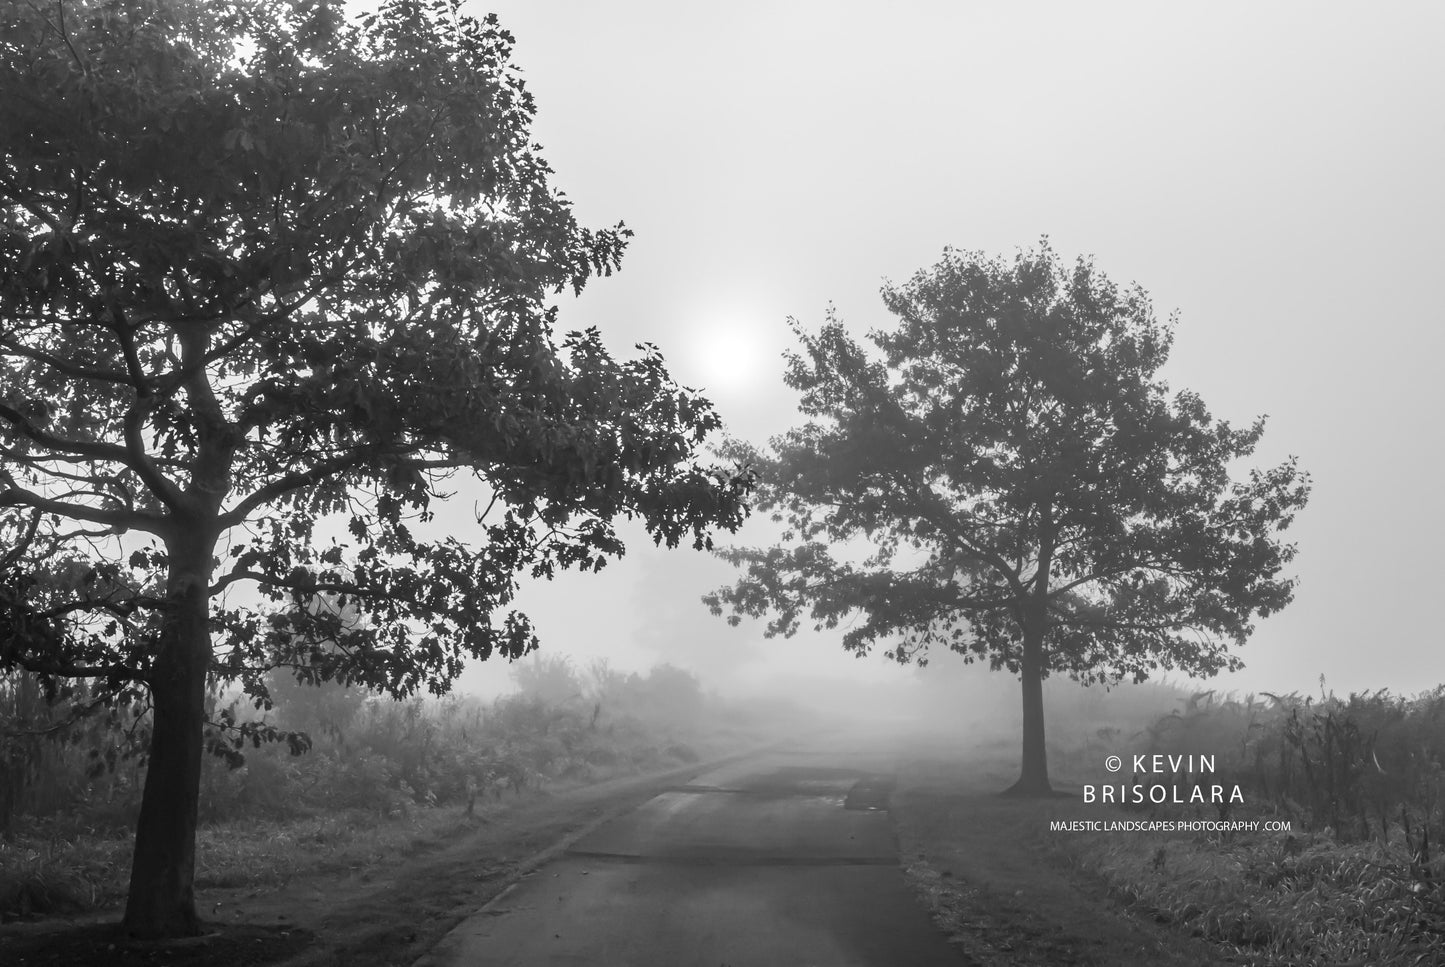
<point>1034,772</point>
<point>162,899</point>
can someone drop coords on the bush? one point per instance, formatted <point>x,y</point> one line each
<point>1360,780</point>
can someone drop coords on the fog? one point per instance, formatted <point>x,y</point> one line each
<point>956,702</point>
<point>1263,171</point>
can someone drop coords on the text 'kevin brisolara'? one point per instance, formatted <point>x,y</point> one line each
<point>1163,825</point>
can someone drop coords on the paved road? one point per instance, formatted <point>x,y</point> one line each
<point>785,859</point>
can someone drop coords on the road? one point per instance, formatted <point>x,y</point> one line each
<point>785,859</point>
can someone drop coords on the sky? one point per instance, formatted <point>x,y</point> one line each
<point>1274,173</point>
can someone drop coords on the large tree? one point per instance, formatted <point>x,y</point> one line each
<point>1007,475</point>
<point>268,279</point>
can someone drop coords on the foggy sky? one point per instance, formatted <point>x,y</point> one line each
<point>1272,172</point>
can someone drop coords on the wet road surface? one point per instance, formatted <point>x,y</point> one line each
<point>781,860</point>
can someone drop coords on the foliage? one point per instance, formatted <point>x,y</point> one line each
<point>547,678</point>
<point>1358,878</point>
<point>310,278</point>
<point>1007,476</point>
<point>53,754</point>
<point>391,761</point>
<point>1369,766</point>
<point>1321,904</point>
<point>268,280</point>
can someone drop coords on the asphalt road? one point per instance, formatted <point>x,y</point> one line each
<point>784,859</point>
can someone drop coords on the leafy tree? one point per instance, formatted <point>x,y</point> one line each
<point>549,679</point>
<point>1009,477</point>
<point>268,279</point>
<point>313,706</point>
<point>671,695</point>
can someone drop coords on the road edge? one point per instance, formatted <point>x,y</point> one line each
<point>435,955</point>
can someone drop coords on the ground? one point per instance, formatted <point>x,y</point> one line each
<point>979,862</point>
<point>1005,893</point>
<point>372,917</point>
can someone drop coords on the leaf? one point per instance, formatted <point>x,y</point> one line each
<point>309,282</point>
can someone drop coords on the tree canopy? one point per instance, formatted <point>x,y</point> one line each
<point>272,282</point>
<point>1007,475</point>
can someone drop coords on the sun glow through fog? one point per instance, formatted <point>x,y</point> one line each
<point>727,356</point>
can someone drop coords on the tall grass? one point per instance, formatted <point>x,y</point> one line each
<point>1356,880</point>
<point>73,781</point>
<point>1359,768</point>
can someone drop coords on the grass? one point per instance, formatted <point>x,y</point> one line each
<point>59,867</point>
<point>383,778</point>
<point>1354,883</point>
<point>1272,900</point>
<point>997,877</point>
<point>81,872</point>
<point>46,872</point>
<point>982,863</point>
<point>43,875</point>
<point>258,853</point>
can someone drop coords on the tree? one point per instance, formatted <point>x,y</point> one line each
<point>549,679</point>
<point>268,280</point>
<point>1009,477</point>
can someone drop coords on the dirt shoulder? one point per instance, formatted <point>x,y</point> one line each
<point>985,867</point>
<point>371,915</point>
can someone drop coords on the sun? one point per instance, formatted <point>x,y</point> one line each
<point>728,356</point>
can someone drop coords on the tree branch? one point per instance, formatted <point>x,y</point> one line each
<point>13,191</point>
<point>122,520</point>
<point>107,452</point>
<point>17,551</point>
<point>60,365</point>
<point>286,484</point>
<point>332,587</point>
<point>118,671</point>
<point>139,460</point>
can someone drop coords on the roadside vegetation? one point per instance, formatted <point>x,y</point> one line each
<point>380,775</point>
<point>1357,878</point>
